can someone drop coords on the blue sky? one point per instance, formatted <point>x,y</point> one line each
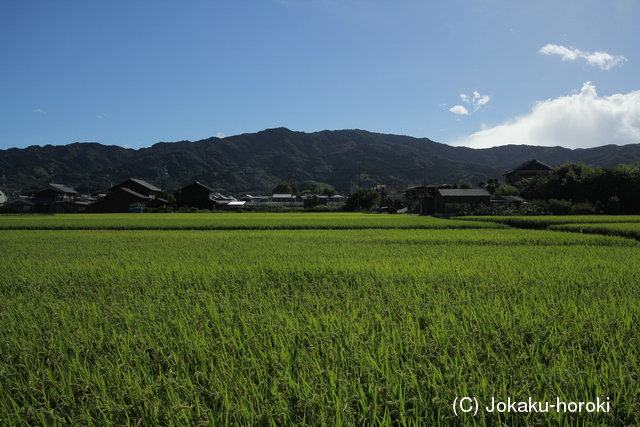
<point>463,72</point>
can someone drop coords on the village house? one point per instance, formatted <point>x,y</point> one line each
<point>52,198</point>
<point>3,197</point>
<point>395,194</point>
<point>138,186</point>
<point>119,200</point>
<point>447,201</point>
<point>21,204</point>
<point>440,201</point>
<point>55,198</point>
<point>256,200</point>
<point>417,197</point>
<point>526,170</point>
<point>236,205</point>
<point>283,199</point>
<point>56,193</point>
<point>199,196</point>
<point>130,192</point>
<point>311,200</point>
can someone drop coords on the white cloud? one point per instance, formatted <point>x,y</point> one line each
<point>459,109</point>
<point>476,101</point>
<point>482,101</point>
<point>599,59</point>
<point>220,135</point>
<point>40,111</point>
<point>102,116</point>
<point>580,120</point>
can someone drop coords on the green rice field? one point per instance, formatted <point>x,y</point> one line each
<point>313,320</point>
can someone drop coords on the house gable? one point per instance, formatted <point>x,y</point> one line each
<point>119,201</point>
<point>56,193</point>
<point>139,186</point>
<point>197,191</point>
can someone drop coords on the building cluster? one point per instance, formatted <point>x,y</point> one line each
<point>132,194</point>
<point>136,193</point>
<point>444,201</point>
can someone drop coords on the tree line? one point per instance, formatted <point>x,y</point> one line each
<point>582,189</point>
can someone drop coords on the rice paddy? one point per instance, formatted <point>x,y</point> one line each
<point>332,324</point>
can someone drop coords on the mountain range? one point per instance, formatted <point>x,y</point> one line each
<point>256,162</point>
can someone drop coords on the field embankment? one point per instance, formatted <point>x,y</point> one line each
<point>545,221</point>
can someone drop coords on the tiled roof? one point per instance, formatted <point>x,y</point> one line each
<point>528,163</point>
<point>59,187</point>
<point>452,192</point>
<point>198,184</point>
<point>145,184</point>
<point>128,190</point>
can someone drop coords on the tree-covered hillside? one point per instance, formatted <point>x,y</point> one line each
<point>256,162</point>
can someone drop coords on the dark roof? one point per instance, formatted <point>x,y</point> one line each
<point>146,184</point>
<point>23,200</point>
<point>139,182</point>
<point>130,191</point>
<point>537,165</point>
<point>218,196</point>
<point>198,184</point>
<point>59,188</point>
<point>456,192</point>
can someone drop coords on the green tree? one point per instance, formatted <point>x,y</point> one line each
<point>491,186</point>
<point>363,199</point>
<point>328,191</point>
<point>285,187</point>
<point>506,190</point>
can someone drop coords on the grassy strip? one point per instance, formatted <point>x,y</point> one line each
<point>544,222</point>
<point>630,230</point>
<point>229,221</point>
<point>314,327</point>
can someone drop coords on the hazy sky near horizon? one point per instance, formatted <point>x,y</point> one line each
<point>478,73</point>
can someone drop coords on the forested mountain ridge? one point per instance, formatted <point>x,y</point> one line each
<point>256,162</point>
